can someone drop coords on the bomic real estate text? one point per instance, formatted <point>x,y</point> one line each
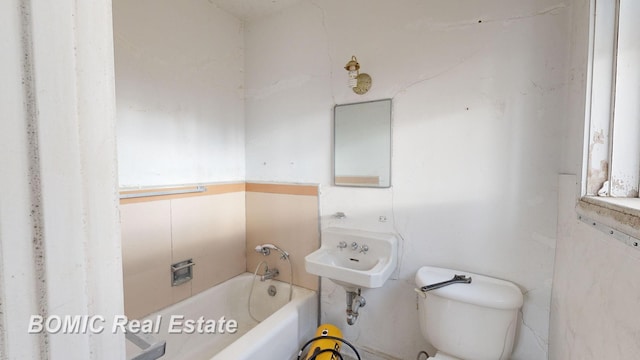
<point>82,324</point>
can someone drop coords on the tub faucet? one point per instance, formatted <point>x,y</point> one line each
<point>269,274</point>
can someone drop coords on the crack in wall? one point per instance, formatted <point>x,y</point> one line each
<point>438,74</point>
<point>326,34</point>
<point>542,344</point>
<point>550,10</point>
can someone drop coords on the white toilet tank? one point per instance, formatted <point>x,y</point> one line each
<point>475,321</point>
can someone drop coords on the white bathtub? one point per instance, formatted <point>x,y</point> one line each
<point>284,326</point>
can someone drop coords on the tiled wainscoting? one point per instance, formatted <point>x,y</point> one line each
<point>286,216</point>
<point>218,229</point>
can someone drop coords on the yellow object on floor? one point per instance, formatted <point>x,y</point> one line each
<point>322,344</point>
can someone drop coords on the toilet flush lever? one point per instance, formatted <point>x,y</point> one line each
<point>457,279</point>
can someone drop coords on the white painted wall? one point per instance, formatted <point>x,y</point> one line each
<point>59,232</point>
<point>179,89</point>
<point>478,94</point>
<point>595,291</point>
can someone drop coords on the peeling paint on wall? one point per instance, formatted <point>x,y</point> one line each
<point>597,176</point>
<point>597,171</point>
<point>624,188</point>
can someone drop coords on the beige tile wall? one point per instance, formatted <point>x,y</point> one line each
<point>209,229</point>
<point>219,231</point>
<point>146,256</point>
<point>289,221</point>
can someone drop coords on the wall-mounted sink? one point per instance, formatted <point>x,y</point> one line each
<point>354,258</point>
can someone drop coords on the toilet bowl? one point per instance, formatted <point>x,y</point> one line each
<point>467,321</point>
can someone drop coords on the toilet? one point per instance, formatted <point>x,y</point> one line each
<point>474,321</point>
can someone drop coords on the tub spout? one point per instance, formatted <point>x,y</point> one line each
<point>269,274</point>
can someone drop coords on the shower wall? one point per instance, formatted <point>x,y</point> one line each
<point>218,230</point>
<point>287,216</point>
<point>179,91</point>
<point>180,120</point>
<point>209,229</point>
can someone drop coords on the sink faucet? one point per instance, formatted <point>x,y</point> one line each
<point>269,274</point>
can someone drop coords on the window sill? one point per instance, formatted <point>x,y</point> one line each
<point>620,214</point>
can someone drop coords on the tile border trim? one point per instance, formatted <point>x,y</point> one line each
<point>212,189</point>
<point>216,189</point>
<point>286,189</point>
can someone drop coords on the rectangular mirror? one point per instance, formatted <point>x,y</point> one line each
<point>362,144</point>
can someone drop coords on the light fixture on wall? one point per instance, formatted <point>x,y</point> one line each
<point>360,83</point>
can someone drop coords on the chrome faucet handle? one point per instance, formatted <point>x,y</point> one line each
<point>342,244</point>
<point>364,249</point>
<point>354,246</point>
<point>269,274</point>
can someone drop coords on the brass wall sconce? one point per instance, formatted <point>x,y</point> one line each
<point>359,82</point>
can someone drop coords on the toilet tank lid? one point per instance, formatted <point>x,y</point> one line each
<point>483,290</point>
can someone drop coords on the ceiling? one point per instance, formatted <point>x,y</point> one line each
<point>252,9</point>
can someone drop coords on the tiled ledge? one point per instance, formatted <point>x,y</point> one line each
<point>211,189</point>
<point>280,188</point>
<point>220,188</point>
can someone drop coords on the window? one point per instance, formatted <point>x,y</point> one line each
<point>613,154</point>
<point>611,175</point>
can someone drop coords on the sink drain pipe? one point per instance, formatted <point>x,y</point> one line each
<point>354,302</point>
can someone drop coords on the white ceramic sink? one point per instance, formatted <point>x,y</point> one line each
<point>351,266</point>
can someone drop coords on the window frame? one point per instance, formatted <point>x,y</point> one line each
<point>616,213</point>
<point>612,135</point>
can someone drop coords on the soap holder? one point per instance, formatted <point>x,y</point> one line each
<point>182,272</point>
